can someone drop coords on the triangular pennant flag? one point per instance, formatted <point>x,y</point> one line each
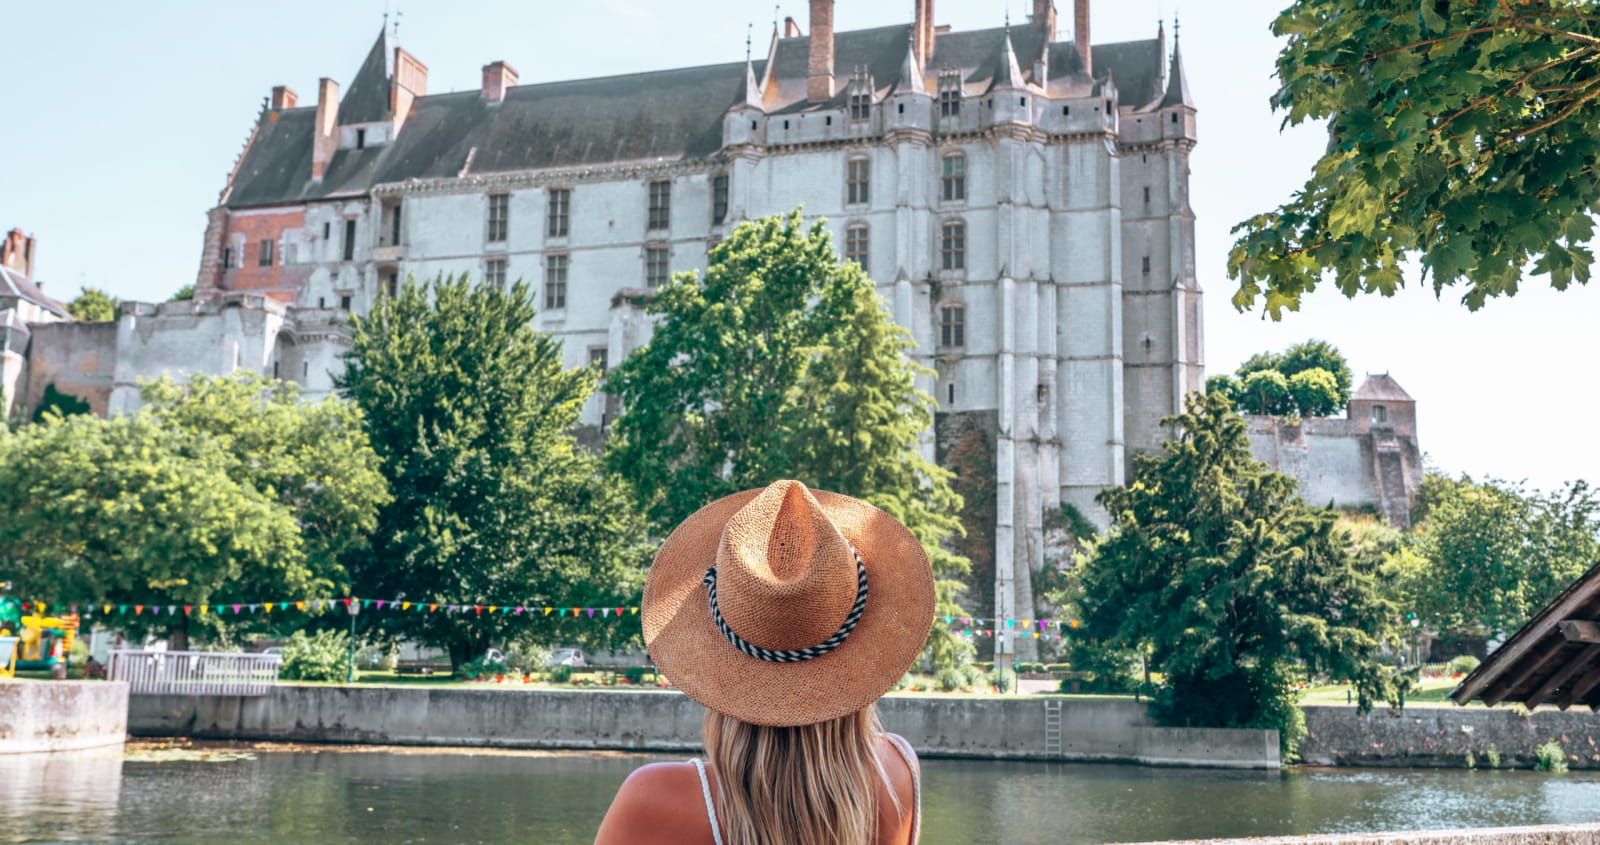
<point>634,611</point>
<point>366,602</point>
<point>478,608</point>
<point>591,612</point>
<point>547,610</point>
<point>563,611</point>
<point>155,610</point>
<point>405,605</point>
<point>74,609</point>
<point>187,608</point>
<point>236,609</point>
<point>604,612</point>
<point>520,608</point>
<point>107,608</point>
<point>432,608</point>
<point>172,609</point>
<point>619,611</point>
<point>138,609</point>
<point>492,608</point>
<point>450,609</point>
<point>299,605</point>
<point>266,608</point>
<point>380,604</point>
<point>505,610</point>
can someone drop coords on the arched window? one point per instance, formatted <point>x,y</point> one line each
<point>953,325</point>
<point>857,240</point>
<point>953,245</point>
<point>953,180</point>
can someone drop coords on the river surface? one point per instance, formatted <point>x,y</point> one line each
<point>390,797</point>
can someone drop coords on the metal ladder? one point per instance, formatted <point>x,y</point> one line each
<point>1052,728</point>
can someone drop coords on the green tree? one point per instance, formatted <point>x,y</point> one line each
<point>182,294</point>
<point>1494,553</point>
<point>1265,392</point>
<point>1309,379</point>
<point>1463,134</point>
<point>56,403</point>
<point>1314,393</point>
<point>783,362</point>
<point>93,305</point>
<point>129,510</point>
<point>1233,586</point>
<point>1316,354</point>
<point>494,502</point>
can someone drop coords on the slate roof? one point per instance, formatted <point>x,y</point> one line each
<point>14,284</point>
<point>10,319</point>
<point>1381,387</point>
<point>368,99</point>
<point>656,115</point>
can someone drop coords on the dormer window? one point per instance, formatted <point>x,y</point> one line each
<point>950,92</point>
<point>860,96</point>
<point>1380,414</point>
<point>361,139</point>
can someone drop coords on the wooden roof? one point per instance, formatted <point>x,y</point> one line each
<point>1554,659</point>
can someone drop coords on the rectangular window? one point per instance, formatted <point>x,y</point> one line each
<point>392,286</point>
<point>655,266</point>
<point>597,358</point>
<point>266,253</point>
<point>953,246</point>
<point>227,258</point>
<point>494,272</point>
<point>555,282</point>
<point>953,184</point>
<point>344,302</point>
<point>953,326</point>
<point>856,240</point>
<point>660,205</point>
<point>326,233</point>
<point>950,93</point>
<point>558,216</point>
<point>1380,414</point>
<point>719,198</point>
<point>394,225</point>
<point>860,107</point>
<point>499,217</point>
<point>1147,194</point>
<point>1144,264</point>
<point>361,139</point>
<point>858,181</point>
<point>350,239</point>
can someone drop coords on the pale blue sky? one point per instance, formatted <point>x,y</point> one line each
<point>123,119</point>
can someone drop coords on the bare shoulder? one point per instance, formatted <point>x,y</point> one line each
<point>659,802</point>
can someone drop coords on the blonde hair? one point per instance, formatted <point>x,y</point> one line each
<point>804,785</point>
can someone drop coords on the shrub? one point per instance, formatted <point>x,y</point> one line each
<point>1550,757</point>
<point>1058,667</point>
<point>1463,664</point>
<point>480,668</point>
<point>635,674</point>
<point>560,674</point>
<point>951,680</point>
<point>322,656</point>
<point>1493,757</point>
<point>1472,760</point>
<point>975,677</point>
<point>527,657</point>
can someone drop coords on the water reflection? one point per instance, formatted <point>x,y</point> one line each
<point>390,798</point>
<point>77,791</point>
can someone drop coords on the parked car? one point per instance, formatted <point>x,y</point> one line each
<point>568,657</point>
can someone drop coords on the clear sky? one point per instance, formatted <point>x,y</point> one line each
<point>124,118</point>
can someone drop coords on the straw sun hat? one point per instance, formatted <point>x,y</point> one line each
<point>787,606</point>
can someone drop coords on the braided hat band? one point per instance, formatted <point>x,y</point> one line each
<point>798,654</point>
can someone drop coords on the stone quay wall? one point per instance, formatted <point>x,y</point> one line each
<point>1442,737</point>
<point>983,728</point>
<point>61,715</point>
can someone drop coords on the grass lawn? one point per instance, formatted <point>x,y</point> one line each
<point>1433,692</point>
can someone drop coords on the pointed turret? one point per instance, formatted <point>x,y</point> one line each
<point>749,96</point>
<point>368,99</point>
<point>911,80</point>
<point>1177,85</point>
<point>1007,73</point>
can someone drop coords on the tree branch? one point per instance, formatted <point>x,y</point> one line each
<point>1481,101</point>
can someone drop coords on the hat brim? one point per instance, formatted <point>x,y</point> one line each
<point>686,645</point>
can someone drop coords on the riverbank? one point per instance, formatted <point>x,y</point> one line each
<point>1446,737</point>
<point>998,728</point>
<point>50,716</point>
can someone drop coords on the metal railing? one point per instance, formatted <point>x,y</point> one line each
<point>194,672</point>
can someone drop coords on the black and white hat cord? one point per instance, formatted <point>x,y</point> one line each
<point>799,654</point>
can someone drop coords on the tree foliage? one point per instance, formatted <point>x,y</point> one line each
<point>1461,133</point>
<point>1309,379</point>
<point>224,490</point>
<point>1488,555</point>
<point>494,502</point>
<point>93,305</point>
<point>782,362</point>
<point>1216,569</point>
<point>56,403</point>
<point>182,294</point>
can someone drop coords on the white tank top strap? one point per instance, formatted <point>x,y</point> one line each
<point>711,808</point>
<point>900,745</point>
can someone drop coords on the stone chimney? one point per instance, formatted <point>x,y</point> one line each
<point>819,82</point>
<point>1080,35</point>
<point>922,33</point>
<point>16,253</point>
<point>497,77</point>
<point>1044,16</point>
<point>283,97</point>
<point>410,82</point>
<point>325,132</point>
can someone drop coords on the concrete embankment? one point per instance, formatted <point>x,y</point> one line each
<point>1444,736</point>
<point>984,728</point>
<point>61,715</point>
<point>1560,834</point>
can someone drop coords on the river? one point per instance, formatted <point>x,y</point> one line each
<point>388,797</point>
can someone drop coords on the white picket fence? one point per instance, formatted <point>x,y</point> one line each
<point>194,672</point>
